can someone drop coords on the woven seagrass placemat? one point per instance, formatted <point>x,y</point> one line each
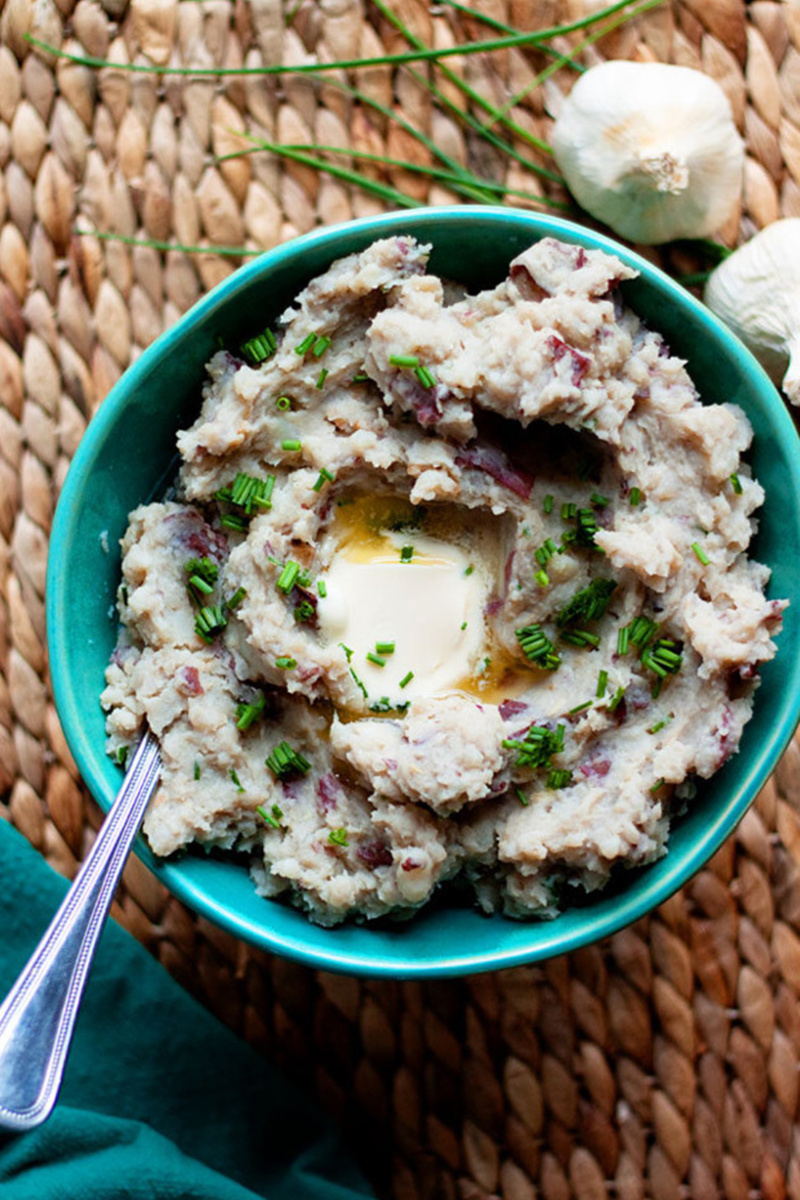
<point>661,1063</point>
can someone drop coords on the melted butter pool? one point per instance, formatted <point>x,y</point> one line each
<point>420,582</point>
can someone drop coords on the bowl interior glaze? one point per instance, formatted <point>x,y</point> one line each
<point>127,456</point>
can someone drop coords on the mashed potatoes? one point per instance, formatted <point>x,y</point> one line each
<point>452,586</point>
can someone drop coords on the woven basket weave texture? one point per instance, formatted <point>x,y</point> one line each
<point>661,1063</point>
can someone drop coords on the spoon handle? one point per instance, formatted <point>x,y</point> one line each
<point>38,1015</point>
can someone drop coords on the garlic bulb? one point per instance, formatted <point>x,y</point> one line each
<point>756,292</point>
<point>651,150</point>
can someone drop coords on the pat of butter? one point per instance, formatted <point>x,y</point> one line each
<point>430,607</point>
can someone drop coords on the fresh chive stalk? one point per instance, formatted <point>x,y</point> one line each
<point>537,647</point>
<point>285,761</point>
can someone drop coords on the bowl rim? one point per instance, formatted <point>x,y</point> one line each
<point>628,906</point>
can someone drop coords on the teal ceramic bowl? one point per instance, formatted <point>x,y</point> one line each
<point>128,455</point>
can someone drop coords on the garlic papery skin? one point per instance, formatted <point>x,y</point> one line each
<point>651,150</point>
<point>756,292</point>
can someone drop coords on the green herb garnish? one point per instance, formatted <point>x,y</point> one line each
<point>338,837</point>
<point>247,714</point>
<point>542,578</point>
<point>406,554</point>
<point>547,504</point>
<point>545,552</point>
<point>537,647</point>
<point>579,708</point>
<point>425,376</point>
<point>320,346</point>
<point>236,780</point>
<point>523,799</point>
<point>283,403</point>
<point>602,684</point>
<point>260,347</point>
<point>306,344</point>
<point>359,683</point>
<point>347,650</point>
<point>303,611</point>
<point>288,577</point>
<point>700,553</point>
<point>284,663</point>
<point>663,657</point>
<point>325,476</point>
<point>291,444</point>
<point>197,770</point>
<point>284,761</point>
<point>384,647</point>
<point>236,599</point>
<point>376,659</point>
<point>323,375</point>
<point>659,783</point>
<point>599,501</point>
<point>322,589</point>
<point>616,699</point>
<point>271,818</point>
<point>589,604</point>
<point>403,360</point>
<point>406,680</point>
<point>580,637</point>
<point>635,497</point>
<point>537,747</point>
<point>736,484</point>
<point>559,779</point>
<point>210,622</point>
<point>121,757</point>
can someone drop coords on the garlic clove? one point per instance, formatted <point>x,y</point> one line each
<point>756,292</point>
<point>651,150</point>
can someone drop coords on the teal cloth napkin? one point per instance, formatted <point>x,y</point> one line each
<point>159,1101</point>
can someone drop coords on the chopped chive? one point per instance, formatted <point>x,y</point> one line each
<point>325,476</point>
<point>288,577</point>
<point>233,521</point>
<point>537,647</point>
<point>403,360</point>
<point>260,347</point>
<point>568,511</point>
<point>323,375</point>
<point>579,708</point>
<point>559,779</point>
<point>359,683</point>
<point>202,568</point>
<point>338,837</point>
<point>122,755</point>
<point>616,699</point>
<point>320,346</point>
<point>426,376</point>
<point>623,637</point>
<point>523,799</point>
<point>636,496</point>
<point>362,377</point>
<point>736,484</point>
<point>347,650</point>
<point>701,554</point>
<point>641,630</point>
<point>542,578</point>
<point>545,552</point>
<point>658,726</point>
<point>235,779</point>
<point>268,817</point>
<point>469,569</point>
<point>463,626</point>
<point>284,761</point>
<point>247,714</point>
<point>580,637</point>
<point>236,599</point>
<point>322,589</point>
<point>283,403</point>
<point>599,501</point>
<point>210,622</point>
<point>406,680</point>
<point>200,585</point>
<point>197,770</point>
<point>384,647</point>
<point>589,604</point>
<point>659,783</point>
<point>406,554</point>
<point>292,444</point>
<point>284,663</point>
<point>547,504</point>
<point>303,611</point>
<point>537,747</point>
<point>376,659</point>
<point>306,344</point>
<point>602,684</point>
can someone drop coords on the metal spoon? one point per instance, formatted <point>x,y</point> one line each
<point>38,1015</point>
